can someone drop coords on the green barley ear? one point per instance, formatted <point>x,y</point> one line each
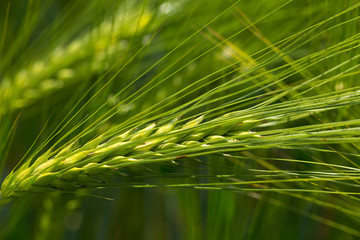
<point>74,62</point>
<point>94,163</point>
<point>88,164</point>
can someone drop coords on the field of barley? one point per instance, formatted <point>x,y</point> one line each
<point>179,119</point>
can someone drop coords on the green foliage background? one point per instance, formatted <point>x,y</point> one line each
<point>72,70</point>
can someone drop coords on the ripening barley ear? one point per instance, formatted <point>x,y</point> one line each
<point>75,62</point>
<point>92,164</point>
<point>89,165</point>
